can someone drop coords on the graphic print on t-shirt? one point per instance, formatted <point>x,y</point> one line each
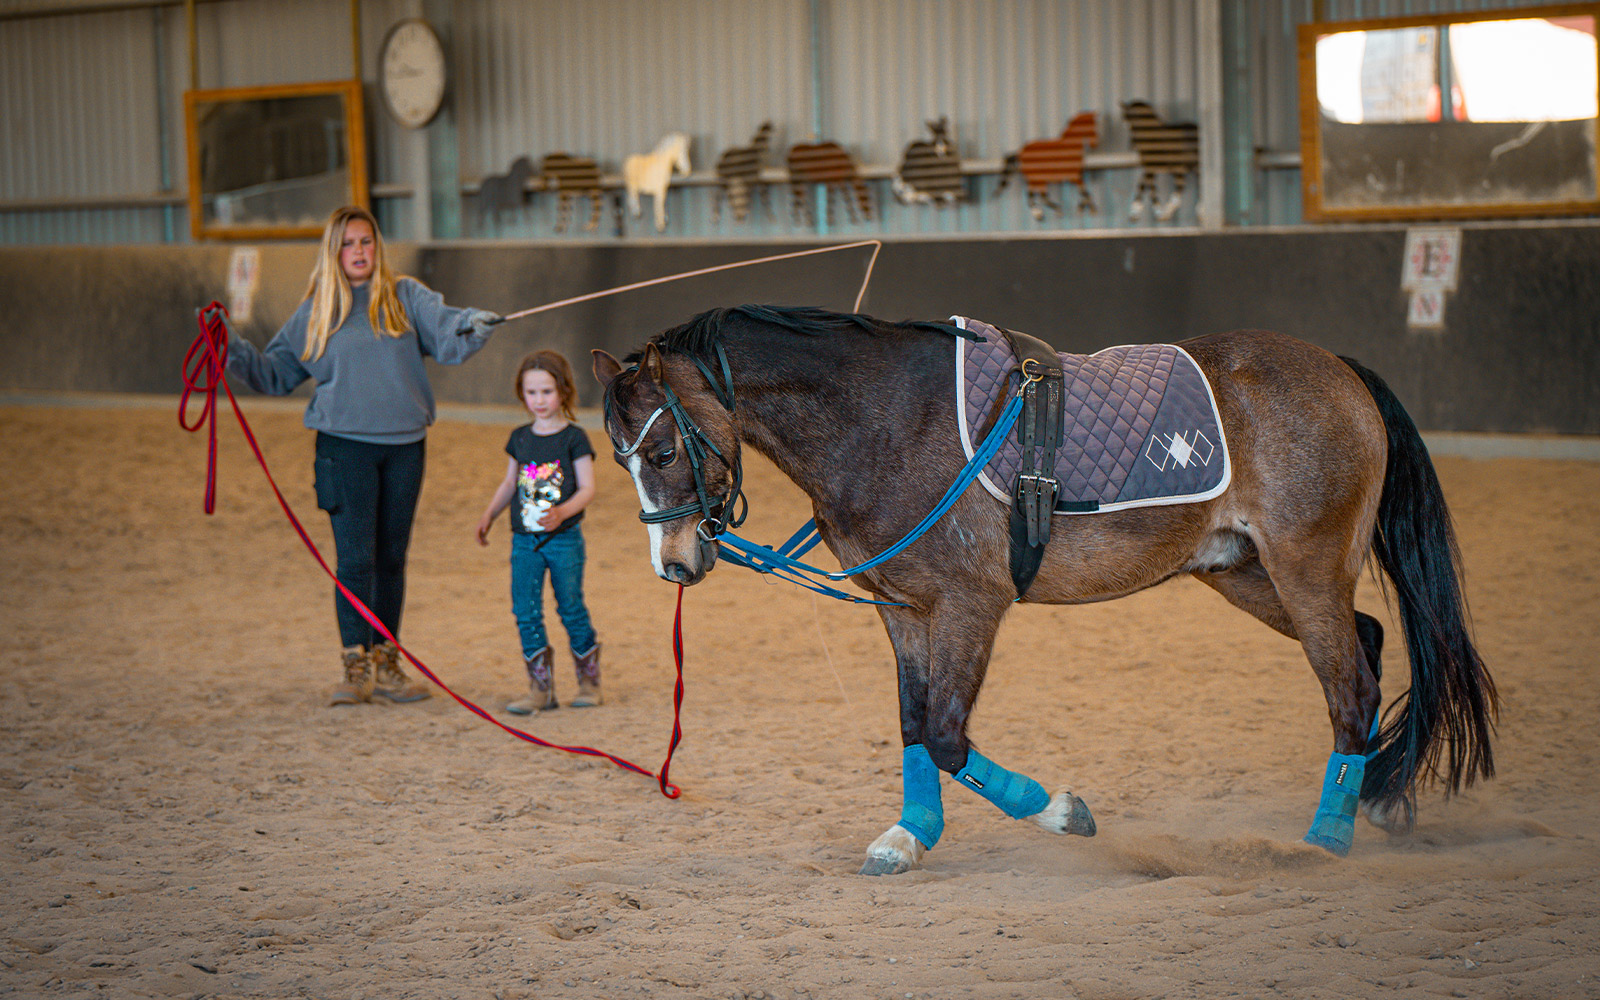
<point>539,487</point>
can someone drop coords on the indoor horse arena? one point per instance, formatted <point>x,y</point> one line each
<point>185,813</point>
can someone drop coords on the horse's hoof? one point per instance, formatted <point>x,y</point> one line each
<point>895,851</point>
<point>884,866</point>
<point>1066,813</point>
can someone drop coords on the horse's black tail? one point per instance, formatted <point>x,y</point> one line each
<point>1445,727</point>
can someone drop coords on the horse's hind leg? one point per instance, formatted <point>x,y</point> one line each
<point>1343,646</point>
<point>1318,590</point>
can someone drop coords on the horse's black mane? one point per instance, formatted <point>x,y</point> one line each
<point>699,337</point>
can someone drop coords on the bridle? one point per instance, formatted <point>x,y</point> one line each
<point>716,513</point>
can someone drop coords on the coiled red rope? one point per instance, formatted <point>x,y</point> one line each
<point>203,367</point>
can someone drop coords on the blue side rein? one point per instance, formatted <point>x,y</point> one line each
<point>784,561</point>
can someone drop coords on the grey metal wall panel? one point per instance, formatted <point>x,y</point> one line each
<point>607,79</point>
<point>77,96</point>
<point>264,42</point>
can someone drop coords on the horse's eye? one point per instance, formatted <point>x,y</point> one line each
<point>665,457</point>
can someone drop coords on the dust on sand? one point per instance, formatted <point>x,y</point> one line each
<point>183,816</point>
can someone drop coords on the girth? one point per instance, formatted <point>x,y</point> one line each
<point>1039,433</point>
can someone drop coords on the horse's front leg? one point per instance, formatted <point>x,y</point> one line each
<point>921,822</point>
<point>959,658</point>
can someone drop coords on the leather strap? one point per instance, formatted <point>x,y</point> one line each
<point>1039,433</point>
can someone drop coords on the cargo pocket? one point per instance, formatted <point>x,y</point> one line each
<point>328,493</point>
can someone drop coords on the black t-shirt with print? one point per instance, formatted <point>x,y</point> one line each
<point>546,473</point>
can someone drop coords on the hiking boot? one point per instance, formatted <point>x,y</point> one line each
<point>541,695</point>
<point>357,686</point>
<point>390,681</point>
<point>588,667</point>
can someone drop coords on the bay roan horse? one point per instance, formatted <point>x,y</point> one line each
<point>1328,471</point>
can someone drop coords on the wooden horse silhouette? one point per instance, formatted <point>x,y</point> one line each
<point>930,172</point>
<point>501,192</point>
<point>1163,149</point>
<point>650,173</point>
<point>573,177</point>
<point>739,171</point>
<point>1329,475</point>
<point>827,163</point>
<point>1055,161</point>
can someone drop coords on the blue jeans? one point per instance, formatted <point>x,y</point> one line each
<point>561,554</point>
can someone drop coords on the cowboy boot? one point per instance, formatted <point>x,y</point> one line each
<point>588,667</point>
<point>541,692</point>
<point>357,686</point>
<point>390,681</point>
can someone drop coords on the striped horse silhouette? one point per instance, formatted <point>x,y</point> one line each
<point>827,163</point>
<point>930,172</point>
<point>1044,162</point>
<point>739,171</point>
<point>1163,149</point>
<point>573,177</point>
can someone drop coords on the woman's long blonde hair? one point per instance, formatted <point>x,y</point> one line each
<point>330,293</point>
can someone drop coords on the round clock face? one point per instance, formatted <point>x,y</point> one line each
<point>411,72</point>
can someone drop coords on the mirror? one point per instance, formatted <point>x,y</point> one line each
<point>269,162</point>
<point>1485,113</point>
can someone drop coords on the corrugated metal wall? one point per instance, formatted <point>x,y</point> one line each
<point>84,98</point>
<point>561,77</point>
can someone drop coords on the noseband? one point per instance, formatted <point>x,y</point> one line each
<point>716,513</point>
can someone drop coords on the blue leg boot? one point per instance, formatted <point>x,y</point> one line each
<point>1016,795</point>
<point>1334,826</point>
<point>921,815</point>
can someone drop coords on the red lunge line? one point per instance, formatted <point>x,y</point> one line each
<point>206,359</point>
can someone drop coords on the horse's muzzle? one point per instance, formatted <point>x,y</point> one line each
<point>688,576</point>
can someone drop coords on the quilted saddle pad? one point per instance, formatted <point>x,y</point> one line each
<point>1140,425</point>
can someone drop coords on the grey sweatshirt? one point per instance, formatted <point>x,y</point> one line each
<point>369,388</point>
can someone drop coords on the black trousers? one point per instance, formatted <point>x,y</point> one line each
<point>370,493</point>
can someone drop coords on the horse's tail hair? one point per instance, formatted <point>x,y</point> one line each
<point>1445,727</point>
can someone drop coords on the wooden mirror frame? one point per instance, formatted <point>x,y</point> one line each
<point>1311,146</point>
<point>349,92</point>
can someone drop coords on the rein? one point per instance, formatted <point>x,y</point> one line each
<point>203,368</point>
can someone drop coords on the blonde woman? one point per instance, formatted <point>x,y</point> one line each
<point>362,333</point>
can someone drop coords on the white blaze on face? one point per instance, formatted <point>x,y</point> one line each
<point>649,507</point>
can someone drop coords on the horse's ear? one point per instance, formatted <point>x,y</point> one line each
<point>606,368</point>
<point>651,364</point>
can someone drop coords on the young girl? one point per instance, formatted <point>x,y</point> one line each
<point>362,333</point>
<point>550,476</point>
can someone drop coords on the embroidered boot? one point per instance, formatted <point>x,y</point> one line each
<point>541,692</point>
<point>357,686</point>
<point>390,681</point>
<point>588,667</point>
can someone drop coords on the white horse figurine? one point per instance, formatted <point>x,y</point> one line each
<point>650,173</point>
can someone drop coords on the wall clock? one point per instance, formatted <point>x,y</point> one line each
<point>411,72</point>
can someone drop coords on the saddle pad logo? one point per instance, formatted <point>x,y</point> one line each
<point>1179,450</point>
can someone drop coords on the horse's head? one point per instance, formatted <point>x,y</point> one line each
<point>1085,126</point>
<point>681,448</point>
<point>680,153</point>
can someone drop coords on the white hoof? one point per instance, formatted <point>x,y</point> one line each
<point>895,851</point>
<point>1167,212</point>
<point>1066,813</point>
